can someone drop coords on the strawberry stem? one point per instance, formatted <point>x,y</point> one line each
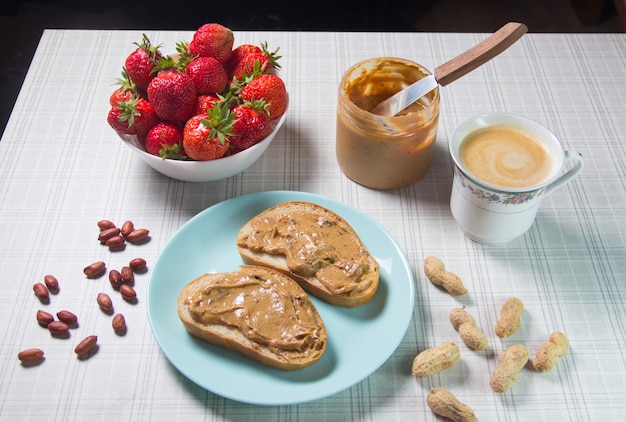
<point>220,120</point>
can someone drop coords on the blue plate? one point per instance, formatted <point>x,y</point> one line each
<point>360,339</point>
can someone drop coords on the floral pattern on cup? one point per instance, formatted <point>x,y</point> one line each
<point>516,198</point>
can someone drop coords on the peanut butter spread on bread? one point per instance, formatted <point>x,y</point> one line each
<point>313,245</point>
<point>267,311</point>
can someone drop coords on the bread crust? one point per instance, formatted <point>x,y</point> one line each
<point>367,284</point>
<point>231,338</point>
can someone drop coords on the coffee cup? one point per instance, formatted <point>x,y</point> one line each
<point>504,166</point>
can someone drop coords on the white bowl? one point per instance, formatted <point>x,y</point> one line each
<point>204,171</point>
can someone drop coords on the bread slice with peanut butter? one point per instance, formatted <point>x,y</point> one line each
<point>258,312</point>
<point>314,246</point>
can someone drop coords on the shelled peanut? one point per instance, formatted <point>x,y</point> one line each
<point>58,329</point>
<point>31,355</point>
<point>95,270</point>
<point>120,280</point>
<point>115,237</point>
<point>67,317</point>
<point>435,270</point>
<point>118,323</point>
<point>137,264</point>
<point>44,318</point>
<point>41,291</point>
<point>127,228</point>
<point>465,324</point>
<point>115,278</point>
<point>86,345</point>
<point>444,403</point>
<point>51,282</point>
<point>128,293</point>
<point>127,275</point>
<point>105,303</point>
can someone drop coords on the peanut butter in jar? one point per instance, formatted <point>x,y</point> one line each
<point>384,152</point>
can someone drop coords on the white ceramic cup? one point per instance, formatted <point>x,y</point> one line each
<point>493,214</point>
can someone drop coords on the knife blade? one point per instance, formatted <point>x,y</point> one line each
<point>453,69</point>
<point>401,100</point>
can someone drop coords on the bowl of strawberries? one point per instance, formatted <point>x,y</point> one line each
<point>205,113</point>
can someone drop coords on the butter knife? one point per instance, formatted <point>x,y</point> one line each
<point>453,69</point>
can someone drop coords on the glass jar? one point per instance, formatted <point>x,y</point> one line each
<point>384,152</point>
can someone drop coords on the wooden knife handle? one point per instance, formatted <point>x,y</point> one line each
<point>481,53</point>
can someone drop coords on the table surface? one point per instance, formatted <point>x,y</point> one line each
<point>62,169</point>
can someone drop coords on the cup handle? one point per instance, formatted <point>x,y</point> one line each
<point>580,162</point>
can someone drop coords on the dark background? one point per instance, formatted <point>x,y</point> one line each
<point>22,21</point>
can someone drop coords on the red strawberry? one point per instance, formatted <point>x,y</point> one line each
<point>173,95</point>
<point>118,96</point>
<point>251,126</point>
<point>139,63</point>
<point>204,102</point>
<point>207,136</point>
<point>134,116</point>
<point>165,139</point>
<point>208,75</point>
<point>114,118</point>
<point>246,66</point>
<point>250,65</point>
<point>239,53</point>
<point>141,115</point>
<point>212,40</point>
<point>126,90</point>
<point>270,88</point>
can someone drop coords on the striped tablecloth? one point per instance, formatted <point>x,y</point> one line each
<point>62,169</point>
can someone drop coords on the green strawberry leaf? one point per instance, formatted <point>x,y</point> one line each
<point>172,152</point>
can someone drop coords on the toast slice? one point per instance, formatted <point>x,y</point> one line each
<point>314,246</point>
<point>258,312</point>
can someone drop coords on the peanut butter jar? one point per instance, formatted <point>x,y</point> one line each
<point>384,152</point>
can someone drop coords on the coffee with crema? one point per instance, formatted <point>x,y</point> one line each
<point>506,156</point>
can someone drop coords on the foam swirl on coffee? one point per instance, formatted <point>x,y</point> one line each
<point>505,156</point>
